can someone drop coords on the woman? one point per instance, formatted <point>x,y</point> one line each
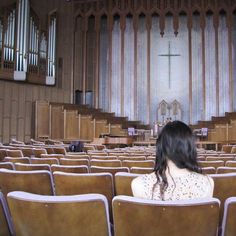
<point>176,175</point>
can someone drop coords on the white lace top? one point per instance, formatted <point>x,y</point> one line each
<point>188,186</point>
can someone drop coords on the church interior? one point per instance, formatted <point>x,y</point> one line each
<point>86,87</point>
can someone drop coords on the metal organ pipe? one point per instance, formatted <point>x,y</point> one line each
<point>26,17</point>
<point>54,46</point>
<point>18,36</point>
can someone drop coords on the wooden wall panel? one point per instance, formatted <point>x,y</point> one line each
<point>1,119</point>
<point>13,118</point>
<point>101,127</point>
<point>86,127</point>
<point>71,124</point>
<point>28,119</point>
<point>57,121</point>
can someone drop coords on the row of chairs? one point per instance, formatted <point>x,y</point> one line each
<point>88,214</point>
<point>92,162</point>
<point>60,183</point>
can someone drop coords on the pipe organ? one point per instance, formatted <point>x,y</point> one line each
<point>33,45</point>
<point>50,79</point>
<point>27,49</point>
<point>1,39</point>
<point>8,43</point>
<point>22,40</point>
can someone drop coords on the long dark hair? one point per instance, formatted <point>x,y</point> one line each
<point>176,143</point>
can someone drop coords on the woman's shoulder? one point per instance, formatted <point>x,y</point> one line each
<point>140,184</point>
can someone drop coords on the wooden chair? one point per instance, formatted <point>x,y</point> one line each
<point>129,164</point>
<point>132,158</point>
<point>220,158</point>
<point>58,156</point>
<point>112,170</point>
<point>3,154</point>
<point>208,170</point>
<point>49,149</point>
<point>70,168</point>
<point>7,165</point>
<point>6,225</point>
<point>38,181</point>
<point>141,170</point>
<point>14,153</point>
<point>30,167</point>
<point>74,162</point>
<point>211,163</point>
<point>103,158</point>
<point>27,152</point>
<point>227,148</point>
<point>230,163</point>
<point>228,225</point>
<point>201,158</point>
<point>24,160</point>
<point>233,150</point>
<point>225,169</point>
<point>123,183</point>
<point>77,156</point>
<point>59,150</point>
<point>39,151</point>
<point>135,216</point>
<point>224,187</point>
<point>39,215</point>
<point>105,163</point>
<point>70,183</point>
<point>49,161</point>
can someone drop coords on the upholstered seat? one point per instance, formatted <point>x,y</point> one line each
<point>37,215</point>
<point>135,216</point>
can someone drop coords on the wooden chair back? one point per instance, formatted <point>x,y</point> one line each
<point>228,224</point>
<point>14,153</point>
<point>135,216</point>
<point>208,170</point>
<point>70,168</point>
<point>105,163</point>
<point>7,165</point>
<point>70,183</point>
<point>24,160</point>
<point>30,167</point>
<point>141,170</point>
<point>39,151</point>
<point>129,164</point>
<point>6,225</point>
<point>39,215</point>
<point>38,181</point>
<point>123,183</point>
<point>211,163</point>
<point>224,187</point>
<point>49,161</point>
<point>74,162</point>
<point>225,170</point>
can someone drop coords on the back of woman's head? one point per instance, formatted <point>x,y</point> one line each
<point>176,143</point>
